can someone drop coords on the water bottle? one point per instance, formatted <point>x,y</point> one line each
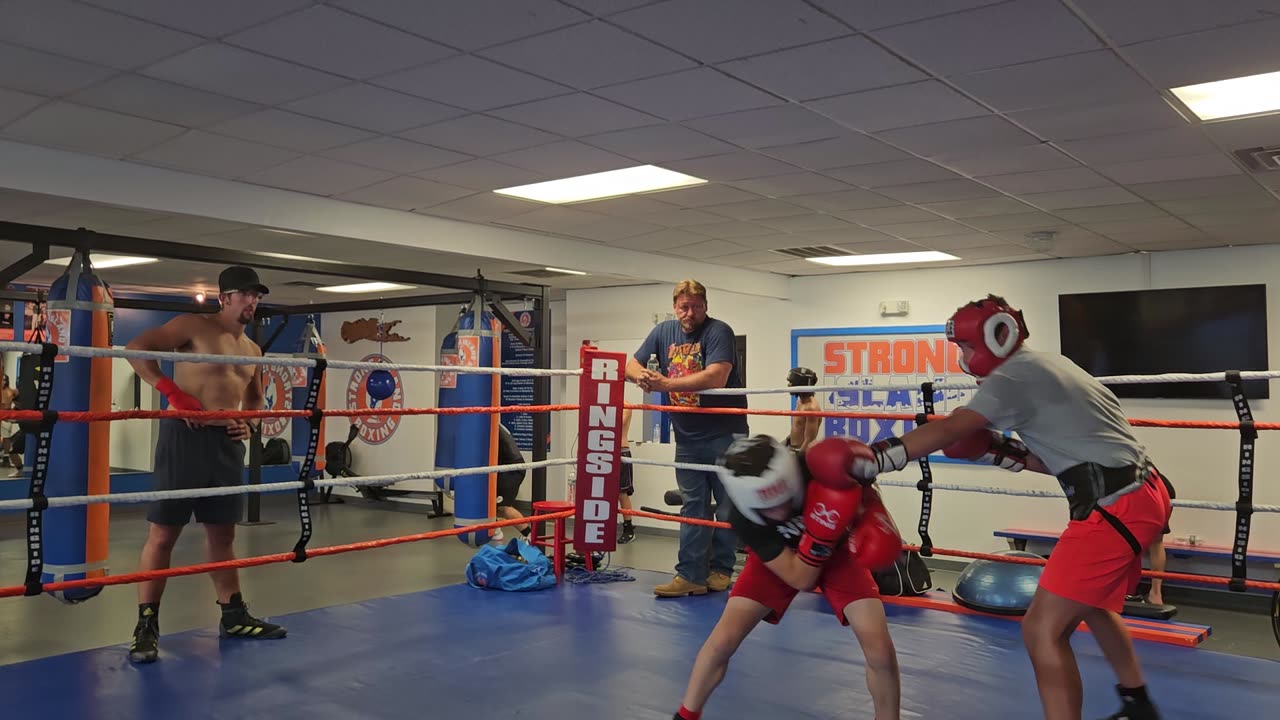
<point>653,366</point>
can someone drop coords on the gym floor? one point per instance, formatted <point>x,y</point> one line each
<point>39,627</point>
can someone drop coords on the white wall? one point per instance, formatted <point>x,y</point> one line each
<point>412,447</point>
<point>1202,463</point>
<point>619,319</point>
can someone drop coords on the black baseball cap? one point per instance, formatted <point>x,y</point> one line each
<point>239,277</point>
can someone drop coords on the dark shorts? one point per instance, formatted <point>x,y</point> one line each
<point>203,457</point>
<point>626,480</point>
<point>509,487</point>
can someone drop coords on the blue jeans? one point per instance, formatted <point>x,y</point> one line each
<point>703,550</point>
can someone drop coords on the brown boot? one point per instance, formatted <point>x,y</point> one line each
<point>718,582</point>
<point>679,587</point>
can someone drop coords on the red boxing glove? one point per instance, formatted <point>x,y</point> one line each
<point>832,461</point>
<point>178,400</point>
<point>875,542</point>
<point>827,514</point>
<point>990,448</point>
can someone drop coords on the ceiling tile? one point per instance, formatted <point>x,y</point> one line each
<point>1088,248</point>
<point>660,240</point>
<point>1087,121</point>
<point>789,73</point>
<point>467,24</point>
<point>373,108</point>
<point>746,259</point>
<point>483,174</point>
<point>338,42</point>
<point>979,208</point>
<point>564,159</point>
<point>630,206</point>
<point>765,127</point>
<point>573,56</point>
<point>1140,225</point>
<point>90,34</point>
<point>1005,161</point>
<point>794,184</point>
<point>217,155</point>
<point>159,100</point>
<point>289,130</point>
<point>318,176</point>
<point>1017,221</point>
<point>845,200</point>
<point>1081,198</point>
<point>706,249</point>
<point>396,155</point>
<point>659,143</point>
<point>756,209</point>
<point>888,245</point>
<point>603,8</point>
<point>1246,132</point>
<point>1265,221</point>
<point>1046,180</point>
<point>242,74</point>
<point>899,106</point>
<point>937,191</point>
<point>719,30</point>
<point>471,82</point>
<point>1072,80</point>
<point>45,74</point>
<point>1173,168</point>
<point>1199,187</point>
<point>978,133</point>
<point>1158,243</point>
<point>677,216</point>
<point>1207,56</point>
<point>14,104</point>
<point>1109,213</point>
<point>1222,203</point>
<point>1004,250</point>
<point>1146,145</point>
<point>688,94</point>
<point>888,215</point>
<point>75,127</point>
<point>703,195</point>
<point>875,15</point>
<point>989,37</point>
<point>739,165</point>
<point>17,205</point>
<point>575,115</point>
<point>806,223</point>
<point>614,229</point>
<point>734,229</point>
<point>841,236</point>
<point>479,135</point>
<point>1136,20</point>
<point>553,219</point>
<point>900,172</point>
<point>406,193</point>
<point>201,17</point>
<point>836,152</point>
<point>935,228</point>
<point>948,243</point>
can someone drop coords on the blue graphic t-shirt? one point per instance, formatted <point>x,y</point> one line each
<point>681,354</point>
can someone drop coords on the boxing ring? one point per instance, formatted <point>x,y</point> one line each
<point>584,649</point>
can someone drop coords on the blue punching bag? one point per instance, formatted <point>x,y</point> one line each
<point>474,434</point>
<point>79,312</point>
<point>447,396</point>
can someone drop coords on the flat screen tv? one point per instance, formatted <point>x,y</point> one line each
<point>1191,330</point>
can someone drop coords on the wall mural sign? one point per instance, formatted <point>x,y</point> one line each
<point>372,330</point>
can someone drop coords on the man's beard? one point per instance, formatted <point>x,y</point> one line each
<point>246,318</point>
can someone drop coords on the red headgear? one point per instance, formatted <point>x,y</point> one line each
<point>978,324</point>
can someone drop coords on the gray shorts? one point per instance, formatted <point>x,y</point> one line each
<point>201,457</point>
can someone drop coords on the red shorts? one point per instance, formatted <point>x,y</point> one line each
<point>842,582</point>
<point>1093,563</point>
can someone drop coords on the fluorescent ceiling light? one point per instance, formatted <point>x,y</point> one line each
<point>1230,98</point>
<point>366,287</point>
<point>644,178</point>
<point>103,262</point>
<point>566,272</point>
<point>884,258</point>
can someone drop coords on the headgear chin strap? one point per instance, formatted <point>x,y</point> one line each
<point>978,324</point>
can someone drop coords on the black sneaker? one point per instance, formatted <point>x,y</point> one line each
<point>1135,708</point>
<point>145,647</point>
<point>628,533</point>
<point>238,623</point>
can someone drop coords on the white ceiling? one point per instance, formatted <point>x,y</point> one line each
<point>955,125</point>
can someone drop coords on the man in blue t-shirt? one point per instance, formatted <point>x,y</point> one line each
<point>696,353</point>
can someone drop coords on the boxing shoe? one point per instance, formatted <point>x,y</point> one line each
<point>238,623</point>
<point>1135,705</point>
<point>145,647</point>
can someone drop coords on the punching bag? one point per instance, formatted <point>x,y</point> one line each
<point>470,440</point>
<point>79,312</point>
<point>447,396</point>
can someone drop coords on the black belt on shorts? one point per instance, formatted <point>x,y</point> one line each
<point>1087,484</point>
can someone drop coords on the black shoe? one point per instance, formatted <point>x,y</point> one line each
<point>628,533</point>
<point>238,623</point>
<point>145,647</point>
<point>1133,707</point>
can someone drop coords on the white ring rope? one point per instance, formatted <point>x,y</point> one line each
<point>91,352</point>
<point>1021,492</point>
<point>368,481</point>
<point>1105,380</point>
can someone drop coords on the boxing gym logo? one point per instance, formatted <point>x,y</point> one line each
<point>374,429</point>
<point>824,516</point>
<point>277,395</point>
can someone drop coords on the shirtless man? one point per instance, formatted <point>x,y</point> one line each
<point>804,430</point>
<point>195,454</point>
<point>9,430</point>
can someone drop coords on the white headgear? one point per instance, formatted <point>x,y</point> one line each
<point>758,473</point>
